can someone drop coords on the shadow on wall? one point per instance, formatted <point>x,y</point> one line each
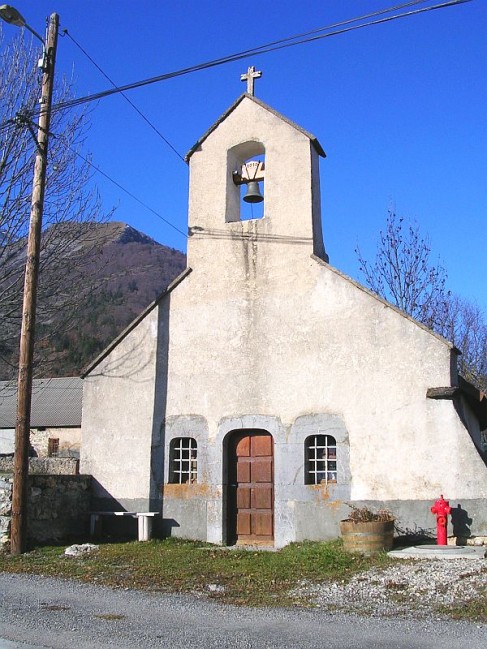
<point>461,521</point>
<point>130,364</point>
<point>477,440</point>
<point>166,527</point>
<point>118,528</point>
<point>413,536</point>
<point>460,527</point>
<point>102,500</point>
<point>159,413</point>
<point>459,404</point>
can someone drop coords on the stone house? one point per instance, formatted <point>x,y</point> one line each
<point>55,426</point>
<point>265,390</point>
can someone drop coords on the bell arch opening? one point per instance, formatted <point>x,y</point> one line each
<point>245,182</point>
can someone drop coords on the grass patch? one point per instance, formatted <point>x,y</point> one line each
<point>247,577</point>
<point>242,577</point>
<point>474,610</point>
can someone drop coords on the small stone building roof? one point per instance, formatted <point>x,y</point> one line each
<point>55,403</point>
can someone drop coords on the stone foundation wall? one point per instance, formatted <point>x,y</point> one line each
<point>58,508</point>
<point>44,465</point>
<point>5,508</point>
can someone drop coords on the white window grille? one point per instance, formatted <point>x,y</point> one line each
<point>183,460</point>
<point>321,459</point>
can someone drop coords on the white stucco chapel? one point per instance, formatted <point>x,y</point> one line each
<point>264,390</point>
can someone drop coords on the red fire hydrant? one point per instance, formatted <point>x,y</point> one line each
<point>441,508</point>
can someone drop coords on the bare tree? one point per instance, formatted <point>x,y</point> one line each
<point>70,197</point>
<point>465,325</point>
<point>404,274</point>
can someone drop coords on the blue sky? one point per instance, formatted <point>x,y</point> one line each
<point>399,108</point>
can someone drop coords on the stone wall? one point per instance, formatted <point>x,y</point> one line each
<point>5,508</point>
<point>57,509</point>
<point>69,441</point>
<point>44,465</point>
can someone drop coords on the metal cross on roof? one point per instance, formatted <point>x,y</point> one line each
<point>249,77</point>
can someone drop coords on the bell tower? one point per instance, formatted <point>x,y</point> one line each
<point>253,158</point>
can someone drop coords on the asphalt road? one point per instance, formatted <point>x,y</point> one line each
<point>44,612</point>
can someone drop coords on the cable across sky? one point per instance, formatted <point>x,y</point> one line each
<point>291,41</point>
<point>405,9</point>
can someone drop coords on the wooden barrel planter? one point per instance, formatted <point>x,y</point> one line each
<point>367,538</point>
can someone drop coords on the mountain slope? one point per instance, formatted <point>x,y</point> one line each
<point>99,278</point>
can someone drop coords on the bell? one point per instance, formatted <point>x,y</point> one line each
<point>253,194</point>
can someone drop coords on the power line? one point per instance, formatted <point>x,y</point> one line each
<point>299,39</point>
<point>262,49</point>
<point>291,41</point>
<point>338,24</point>
<point>28,123</point>
<point>146,119</point>
<point>126,191</point>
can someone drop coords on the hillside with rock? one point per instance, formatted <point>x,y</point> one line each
<point>94,280</point>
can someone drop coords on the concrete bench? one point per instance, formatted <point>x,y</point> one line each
<point>144,522</point>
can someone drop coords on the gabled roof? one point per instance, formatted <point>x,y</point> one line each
<point>55,402</point>
<point>236,103</point>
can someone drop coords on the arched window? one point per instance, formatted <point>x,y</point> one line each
<point>320,459</point>
<point>183,460</point>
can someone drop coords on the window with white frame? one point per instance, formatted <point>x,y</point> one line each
<point>183,460</point>
<point>320,459</point>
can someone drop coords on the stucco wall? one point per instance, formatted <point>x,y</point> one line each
<point>341,352</point>
<point>118,407</point>
<point>264,334</point>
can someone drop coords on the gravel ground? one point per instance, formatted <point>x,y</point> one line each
<point>411,588</point>
<point>55,613</point>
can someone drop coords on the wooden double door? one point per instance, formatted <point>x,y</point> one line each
<point>251,488</point>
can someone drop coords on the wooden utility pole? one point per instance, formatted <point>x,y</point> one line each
<point>27,333</point>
